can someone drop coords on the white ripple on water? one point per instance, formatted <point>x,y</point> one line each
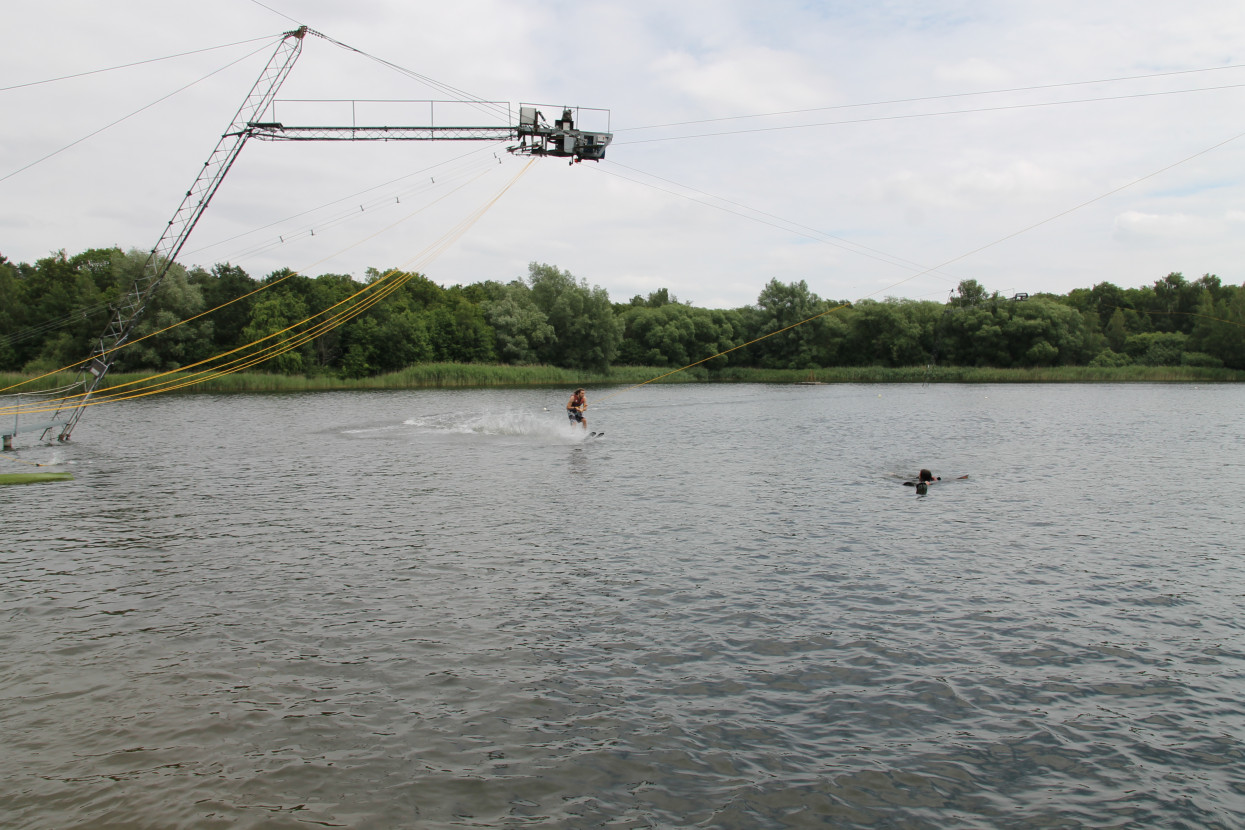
<point>544,425</point>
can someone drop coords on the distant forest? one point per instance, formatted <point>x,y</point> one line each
<point>52,311</point>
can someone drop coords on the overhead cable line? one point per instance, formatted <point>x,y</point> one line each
<point>786,224</point>
<point>932,98</point>
<point>460,95</point>
<point>1182,313</point>
<point>263,287</point>
<point>73,366</point>
<point>177,379</point>
<point>1073,209</point>
<point>946,263</point>
<point>54,323</point>
<point>371,294</point>
<point>56,391</point>
<point>364,299</point>
<point>348,198</point>
<point>266,39</point>
<point>344,215</point>
<point>974,110</point>
<point>295,340</point>
<point>131,115</point>
<point>277,13</point>
<point>727,351</point>
<point>352,215</point>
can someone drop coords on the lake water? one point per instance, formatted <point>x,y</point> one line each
<point>447,609</point>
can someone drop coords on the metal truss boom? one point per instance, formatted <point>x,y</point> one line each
<point>129,308</point>
<point>280,132</point>
<point>536,137</point>
<point>534,134</point>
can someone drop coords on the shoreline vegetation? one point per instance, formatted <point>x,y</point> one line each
<point>397,329</point>
<point>474,375</point>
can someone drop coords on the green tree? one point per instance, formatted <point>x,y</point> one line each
<point>890,333</point>
<point>716,331</point>
<point>62,310</point>
<point>661,335</point>
<point>361,341</point>
<point>228,286</point>
<point>328,298</point>
<point>1232,351</point>
<point>781,306</point>
<point>1156,348</point>
<point>1220,329</point>
<point>1117,331</point>
<point>460,333</point>
<point>10,311</point>
<point>1110,359</point>
<point>520,328</point>
<point>972,337</point>
<point>970,293</point>
<point>275,316</point>
<point>1176,300</point>
<point>417,291</point>
<point>1042,332</point>
<point>587,334</point>
<point>395,332</point>
<point>162,338</point>
<point>1093,340</point>
<point>1105,299</point>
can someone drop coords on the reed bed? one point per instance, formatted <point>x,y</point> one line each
<point>26,384</point>
<point>461,375</point>
<point>970,374</point>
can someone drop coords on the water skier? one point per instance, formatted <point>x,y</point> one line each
<point>575,408</point>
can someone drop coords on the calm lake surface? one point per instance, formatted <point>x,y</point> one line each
<point>447,609</point>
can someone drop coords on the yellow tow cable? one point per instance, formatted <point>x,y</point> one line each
<point>728,351</point>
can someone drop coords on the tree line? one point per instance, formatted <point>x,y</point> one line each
<point>51,311</point>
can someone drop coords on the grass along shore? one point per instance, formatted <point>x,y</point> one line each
<point>463,375</point>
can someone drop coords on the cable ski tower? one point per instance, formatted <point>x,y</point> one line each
<point>535,137</point>
<point>129,309</point>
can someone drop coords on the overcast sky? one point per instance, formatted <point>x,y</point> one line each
<point>1032,146</point>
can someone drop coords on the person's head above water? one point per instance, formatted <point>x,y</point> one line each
<point>925,475</point>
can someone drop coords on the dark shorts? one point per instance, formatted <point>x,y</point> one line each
<point>577,417</point>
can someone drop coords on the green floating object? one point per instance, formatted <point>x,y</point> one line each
<point>33,478</point>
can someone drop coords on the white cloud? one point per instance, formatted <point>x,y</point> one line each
<point>1153,225</point>
<point>927,189</point>
<point>973,74</point>
<point>748,80</point>
<point>968,185</point>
